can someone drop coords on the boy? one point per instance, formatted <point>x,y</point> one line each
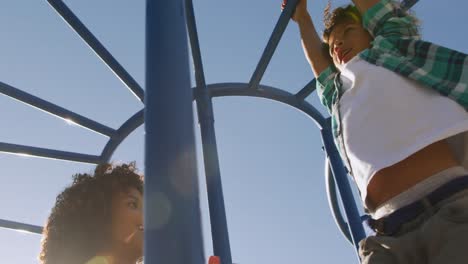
<point>397,105</point>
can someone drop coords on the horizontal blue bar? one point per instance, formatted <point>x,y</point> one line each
<point>48,153</point>
<point>55,110</point>
<point>20,226</point>
<point>97,47</point>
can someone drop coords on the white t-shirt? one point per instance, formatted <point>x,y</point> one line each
<point>386,117</point>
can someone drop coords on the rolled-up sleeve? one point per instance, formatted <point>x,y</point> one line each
<point>388,20</point>
<point>326,87</point>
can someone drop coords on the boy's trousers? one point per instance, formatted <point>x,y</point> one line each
<point>438,236</point>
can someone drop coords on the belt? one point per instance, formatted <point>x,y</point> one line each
<point>390,224</point>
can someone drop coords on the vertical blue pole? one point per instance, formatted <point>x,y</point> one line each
<point>219,227</point>
<point>347,198</point>
<point>172,211</point>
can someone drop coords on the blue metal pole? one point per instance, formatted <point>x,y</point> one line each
<point>347,198</point>
<point>307,90</point>
<point>122,133</point>
<point>48,153</point>
<point>97,47</point>
<point>172,210</point>
<point>334,204</point>
<point>219,227</point>
<point>273,42</point>
<point>20,226</point>
<point>56,110</point>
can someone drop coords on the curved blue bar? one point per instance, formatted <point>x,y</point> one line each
<point>126,129</point>
<point>332,196</point>
<point>268,92</point>
<point>221,90</point>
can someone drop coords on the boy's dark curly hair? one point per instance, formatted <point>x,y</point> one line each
<point>350,13</point>
<point>79,224</point>
<point>338,16</point>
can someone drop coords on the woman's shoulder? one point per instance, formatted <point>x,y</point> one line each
<point>99,260</point>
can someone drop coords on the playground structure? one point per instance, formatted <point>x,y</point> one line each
<point>168,91</point>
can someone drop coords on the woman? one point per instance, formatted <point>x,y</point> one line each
<point>97,220</point>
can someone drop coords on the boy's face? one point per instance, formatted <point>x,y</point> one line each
<point>347,40</point>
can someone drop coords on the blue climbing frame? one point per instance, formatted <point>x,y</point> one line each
<point>169,138</point>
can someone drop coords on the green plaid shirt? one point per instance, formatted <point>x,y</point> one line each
<point>397,47</point>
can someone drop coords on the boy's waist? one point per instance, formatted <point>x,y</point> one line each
<point>398,178</point>
<point>393,223</point>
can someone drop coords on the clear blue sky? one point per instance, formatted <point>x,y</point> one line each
<point>271,162</point>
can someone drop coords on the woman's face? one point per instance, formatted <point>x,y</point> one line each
<point>127,223</point>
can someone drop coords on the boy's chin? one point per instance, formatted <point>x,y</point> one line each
<point>343,62</point>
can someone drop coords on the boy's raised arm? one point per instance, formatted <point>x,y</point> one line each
<point>318,58</point>
<point>364,5</point>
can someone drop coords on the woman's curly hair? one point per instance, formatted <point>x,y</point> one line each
<point>79,224</point>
